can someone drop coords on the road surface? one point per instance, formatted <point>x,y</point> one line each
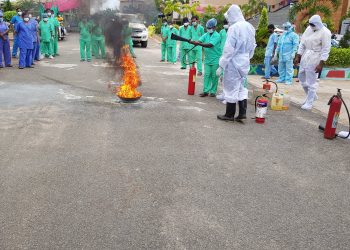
<point>79,170</point>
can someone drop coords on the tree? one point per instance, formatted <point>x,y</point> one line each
<point>252,8</point>
<point>8,6</point>
<point>262,31</point>
<point>172,6</point>
<point>308,8</point>
<point>345,41</point>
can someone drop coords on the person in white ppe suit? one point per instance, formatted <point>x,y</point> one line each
<point>313,52</point>
<point>235,63</point>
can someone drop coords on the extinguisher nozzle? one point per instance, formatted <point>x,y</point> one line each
<point>321,127</point>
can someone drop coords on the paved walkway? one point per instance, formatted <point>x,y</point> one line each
<point>326,90</point>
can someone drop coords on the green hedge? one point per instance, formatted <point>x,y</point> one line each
<point>259,56</point>
<point>337,57</point>
<point>9,14</point>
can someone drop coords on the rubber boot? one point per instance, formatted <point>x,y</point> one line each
<point>242,110</point>
<point>230,113</point>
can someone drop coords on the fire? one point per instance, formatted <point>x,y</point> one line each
<point>131,78</point>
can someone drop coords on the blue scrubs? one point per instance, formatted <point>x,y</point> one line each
<point>4,46</point>
<point>25,44</point>
<point>34,30</point>
<point>286,49</point>
<point>273,40</point>
<point>15,21</point>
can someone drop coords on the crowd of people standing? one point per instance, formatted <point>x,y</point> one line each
<point>33,39</point>
<point>227,56</point>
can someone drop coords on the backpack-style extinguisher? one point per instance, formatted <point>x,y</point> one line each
<point>192,80</point>
<point>261,103</point>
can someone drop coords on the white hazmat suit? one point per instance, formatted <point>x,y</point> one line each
<point>314,47</point>
<point>238,50</point>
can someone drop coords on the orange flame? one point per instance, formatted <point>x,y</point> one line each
<point>131,78</point>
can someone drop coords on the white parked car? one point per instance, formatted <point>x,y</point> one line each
<point>139,34</point>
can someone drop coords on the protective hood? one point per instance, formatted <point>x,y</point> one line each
<point>288,27</point>
<point>234,14</point>
<point>317,21</point>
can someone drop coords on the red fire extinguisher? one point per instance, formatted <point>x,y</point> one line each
<point>192,80</point>
<point>333,116</point>
<point>261,103</point>
<point>267,85</point>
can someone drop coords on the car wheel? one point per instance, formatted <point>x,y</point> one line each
<point>144,44</point>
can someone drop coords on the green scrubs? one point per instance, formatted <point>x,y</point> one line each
<point>196,55</point>
<point>54,43</point>
<point>185,46</point>
<point>171,45</point>
<point>223,35</point>
<point>211,61</point>
<point>98,42</point>
<point>164,34</point>
<point>46,33</point>
<point>85,40</point>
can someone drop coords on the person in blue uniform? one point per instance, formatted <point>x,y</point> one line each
<point>34,29</point>
<point>15,20</point>
<point>4,43</point>
<point>25,42</point>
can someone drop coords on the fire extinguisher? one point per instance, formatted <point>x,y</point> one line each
<point>267,85</point>
<point>192,80</point>
<point>333,116</point>
<point>261,103</point>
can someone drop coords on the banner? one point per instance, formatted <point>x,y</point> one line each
<point>63,5</point>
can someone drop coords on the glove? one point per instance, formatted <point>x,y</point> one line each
<point>219,71</point>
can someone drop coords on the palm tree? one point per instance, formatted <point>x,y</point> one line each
<point>187,9</point>
<point>308,8</point>
<point>172,6</point>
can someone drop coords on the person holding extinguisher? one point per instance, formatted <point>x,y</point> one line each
<point>313,52</point>
<point>211,42</point>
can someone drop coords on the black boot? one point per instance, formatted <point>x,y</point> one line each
<point>242,110</point>
<point>230,113</point>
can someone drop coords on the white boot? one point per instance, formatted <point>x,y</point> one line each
<point>306,90</point>
<point>309,100</point>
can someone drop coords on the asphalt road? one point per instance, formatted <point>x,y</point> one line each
<point>79,170</point>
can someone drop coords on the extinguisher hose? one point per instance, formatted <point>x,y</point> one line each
<point>276,85</point>
<point>347,111</point>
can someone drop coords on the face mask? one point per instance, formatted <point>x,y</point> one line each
<point>170,26</point>
<point>1,19</point>
<point>194,23</point>
<point>45,19</point>
<point>30,16</point>
<point>186,24</point>
<point>226,26</point>
<point>314,28</point>
<point>165,24</point>
<point>49,14</point>
<point>19,13</point>
<point>26,19</point>
<point>210,31</point>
